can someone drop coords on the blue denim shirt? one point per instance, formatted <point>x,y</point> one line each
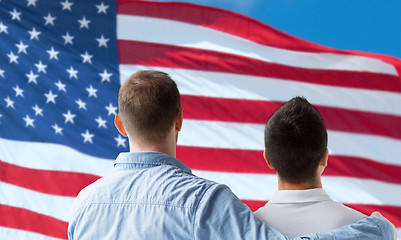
<point>151,195</point>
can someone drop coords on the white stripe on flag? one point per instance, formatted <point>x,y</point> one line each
<point>250,136</point>
<point>17,234</point>
<point>342,189</point>
<point>50,156</point>
<point>35,201</point>
<point>137,28</point>
<point>236,86</point>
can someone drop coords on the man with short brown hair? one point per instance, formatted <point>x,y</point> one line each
<point>152,195</point>
<point>148,105</point>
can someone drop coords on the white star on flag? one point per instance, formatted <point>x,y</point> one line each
<point>102,41</point>
<point>32,77</point>
<point>21,47</point>
<point>2,73</point>
<point>18,91</point>
<point>57,129</point>
<point>29,121</point>
<point>41,67</point>
<point>32,3</point>
<point>73,73</point>
<point>67,38</point>
<point>34,34</point>
<point>38,110</point>
<point>3,28</point>
<point>67,5</point>
<point>102,8</point>
<point>49,19</point>
<point>9,102</point>
<point>91,91</point>
<point>81,104</point>
<point>15,15</point>
<point>84,23</point>
<point>60,86</point>
<point>53,53</point>
<point>87,136</point>
<point>105,76</point>
<point>100,122</point>
<point>86,57</point>
<point>13,58</point>
<point>111,109</point>
<point>50,97</point>
<point>69,117</point>
<point>120,141</point>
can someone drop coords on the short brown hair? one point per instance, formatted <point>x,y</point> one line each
<point>148,104</point>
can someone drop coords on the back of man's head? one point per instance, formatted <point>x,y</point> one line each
<point>295,140</point>
<point>148,103</point>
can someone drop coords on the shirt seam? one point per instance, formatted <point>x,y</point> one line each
<point>196,206</point>
<point>138,203</point>
<point>133,165</point>
<point>380,229</point>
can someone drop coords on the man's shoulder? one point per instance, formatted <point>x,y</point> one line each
<point>86,194</point>
<point>343,212</point>
<point>193,187</point>
<point>160,184</point>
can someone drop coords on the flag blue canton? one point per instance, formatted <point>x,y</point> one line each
<point>59,74</point>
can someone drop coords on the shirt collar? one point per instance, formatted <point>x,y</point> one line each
<point>147,159</point>
<point>300,196</point>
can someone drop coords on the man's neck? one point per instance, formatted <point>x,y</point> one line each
<point>167,147</point>
<point>315,183</point>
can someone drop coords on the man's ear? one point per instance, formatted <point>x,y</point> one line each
<point>119,125</point>
<point>269,164</point>
<point>323,161</point>
<point>325,158</point>
<point>179,120</point>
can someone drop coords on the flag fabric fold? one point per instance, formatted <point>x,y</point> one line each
<point>61,65</point>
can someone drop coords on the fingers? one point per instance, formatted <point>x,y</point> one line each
<point>377,214</point>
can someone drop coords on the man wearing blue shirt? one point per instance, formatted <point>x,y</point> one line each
<point>152,195</point>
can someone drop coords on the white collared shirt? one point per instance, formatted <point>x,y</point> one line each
<point>298,212</point>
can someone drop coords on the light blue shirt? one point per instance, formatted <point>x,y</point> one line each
<point>151,195</point>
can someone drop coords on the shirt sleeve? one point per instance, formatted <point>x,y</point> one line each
<point>371,228</point>
<point>221,215</point>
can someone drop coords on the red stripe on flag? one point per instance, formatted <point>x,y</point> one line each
<point>46,181</point>
<point>223,160</point>
<point>254,204</point>
<point>161,55</point>
<point>362,168</point>
<point>254,111</point>
<point>23,219</point>
<point>251,161</point>
<point>220,20</point>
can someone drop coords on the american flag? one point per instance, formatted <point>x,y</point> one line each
<point>62,63</point>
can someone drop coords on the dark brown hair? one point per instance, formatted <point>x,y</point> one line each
<point>295,140</point>
<point>148,103</point>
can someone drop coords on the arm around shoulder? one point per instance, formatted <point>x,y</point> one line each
<point>371,228</point>
<point>221,215</point>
